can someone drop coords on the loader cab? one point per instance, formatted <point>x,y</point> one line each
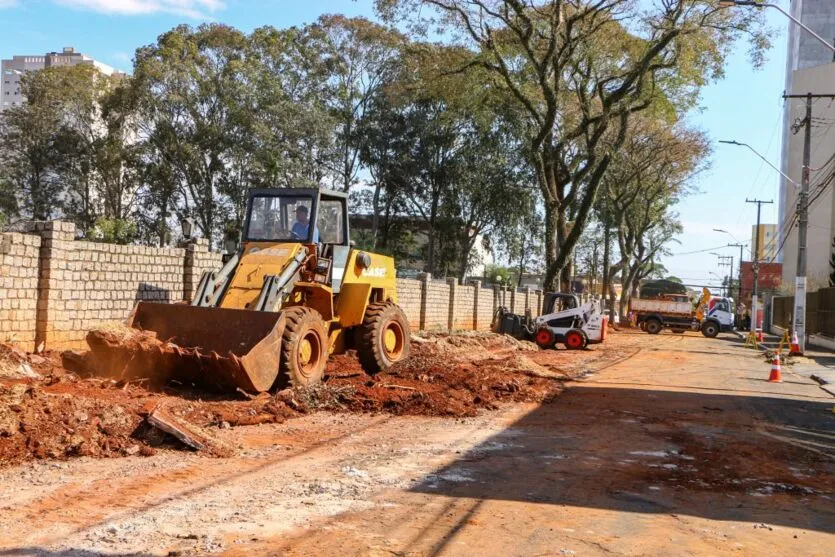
<point>311,216</point>
<point>303,215</point>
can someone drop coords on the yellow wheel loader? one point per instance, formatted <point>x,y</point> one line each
<point>294,292</point>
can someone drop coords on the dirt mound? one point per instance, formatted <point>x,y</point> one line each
<point>446,375</point>
<point>37,424</point>
<point>122,353</point>
<point>57,413</point>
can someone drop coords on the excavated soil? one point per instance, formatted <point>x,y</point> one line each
<point>50,411</point>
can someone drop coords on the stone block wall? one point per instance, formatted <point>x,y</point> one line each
<point>408,298</point>
<point>485,307</point>
<point>463,309</point>
<point>435,310</point>
<point>84,285</point>
<point>19,255</point>
<point>54,289</point>
<point>198,260</point>
<point>437,306</point>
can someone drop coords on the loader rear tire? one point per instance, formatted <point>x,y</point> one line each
<point>383,338</point>
<point>304,347</point>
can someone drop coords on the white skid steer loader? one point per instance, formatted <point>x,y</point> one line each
<point>563,320</point>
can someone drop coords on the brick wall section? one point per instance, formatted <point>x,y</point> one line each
<point>464,311</point>
<point>437,306</point>
<point>54,289</point>
<point>19,254</point>
<point>198,259</point>
<point>485,307</point>
<point>408,298</point>
<point>84,285</point>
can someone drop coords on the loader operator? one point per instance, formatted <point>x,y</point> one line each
<point>302,225</point>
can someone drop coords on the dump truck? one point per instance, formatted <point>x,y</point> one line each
<point>711,315</point>
<point>564,320</point>
<point>295,291</point>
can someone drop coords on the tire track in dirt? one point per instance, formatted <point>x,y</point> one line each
<point>74,508</point>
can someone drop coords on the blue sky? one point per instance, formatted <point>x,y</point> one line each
<point>745,106</point>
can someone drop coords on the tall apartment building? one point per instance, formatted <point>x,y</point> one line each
<point>12,70</point>
<point>809,68</point>
<point>768,242</point>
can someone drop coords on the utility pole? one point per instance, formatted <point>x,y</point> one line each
<point>723,262</point>
<point>755,263</point>
<point>799,320</point>
<point>739,285</point>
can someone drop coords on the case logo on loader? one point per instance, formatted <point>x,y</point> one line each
<point>374,272</point>
<point>271,252</point>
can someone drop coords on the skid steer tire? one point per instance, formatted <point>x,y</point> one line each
<point>545,338</point>
<point>383,338</point>
<point>304,348</point>
<point>575,340</point>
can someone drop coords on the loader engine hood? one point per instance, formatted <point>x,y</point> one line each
<point>259,259</point>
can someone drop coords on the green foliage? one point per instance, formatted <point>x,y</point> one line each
<point>114,231</point>
<point>498,274</point>
<point>672,278</point>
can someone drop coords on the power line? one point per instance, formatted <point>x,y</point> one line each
<point>706,250</point>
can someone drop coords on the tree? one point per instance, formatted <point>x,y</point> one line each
<point>32,146</point>
<point>579,70</point>
<point>363,57</point>
<point>191,83</point>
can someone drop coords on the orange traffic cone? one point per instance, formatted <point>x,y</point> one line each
<point>795,346</point>
<point>775,376</point>
<point>759,335</point>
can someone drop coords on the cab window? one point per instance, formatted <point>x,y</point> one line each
<point>279,218</point>
<point>331,221</point>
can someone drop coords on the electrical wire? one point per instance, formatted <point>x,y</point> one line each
<point>706,250</point>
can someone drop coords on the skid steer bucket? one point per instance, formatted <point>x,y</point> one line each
<point>216,348</point>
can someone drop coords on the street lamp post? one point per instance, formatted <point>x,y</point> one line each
<point>752,3</point>
<point>739,245</point>
<point>765,160</point>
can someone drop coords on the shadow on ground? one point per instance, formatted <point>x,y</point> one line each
<point>722,457</point>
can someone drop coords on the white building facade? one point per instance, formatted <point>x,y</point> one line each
<point>13,69</point>
<point>809,68</point>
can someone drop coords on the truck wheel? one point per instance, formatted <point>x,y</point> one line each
<point>574,340</point>
<point>653,326</point>
<point>710,329</point>
<point>545,339</point>
<point>304,347</point>
<point>383,337</point>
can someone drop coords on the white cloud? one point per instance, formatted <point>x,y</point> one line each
<point>189,8</point>
<point>7,3</point>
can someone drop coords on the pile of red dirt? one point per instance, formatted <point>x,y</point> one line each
<point>446,375</point>
<point>57,413</point>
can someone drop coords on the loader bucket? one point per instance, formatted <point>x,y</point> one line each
<point>216,348</point>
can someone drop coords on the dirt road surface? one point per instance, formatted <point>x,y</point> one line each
<point>669,445</point>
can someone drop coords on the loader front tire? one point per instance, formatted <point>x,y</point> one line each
<point>304,347</point>
<point>383,338</point>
